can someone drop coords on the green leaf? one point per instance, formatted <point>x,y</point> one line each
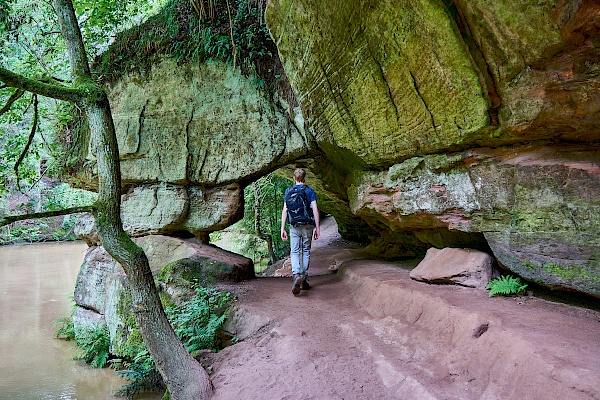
<point>506,285</point>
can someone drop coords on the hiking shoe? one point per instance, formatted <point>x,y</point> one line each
<point>297,283</point>
<point>304,285</point>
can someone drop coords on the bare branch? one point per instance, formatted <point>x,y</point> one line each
<point>13,97</point>
<point>22,217</point>
<point>54,91</point>
<point>34,125</point>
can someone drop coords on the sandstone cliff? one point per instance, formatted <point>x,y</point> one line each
<point>458,123</point>
<point>422,123</point>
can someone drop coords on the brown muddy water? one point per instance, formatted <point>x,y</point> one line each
<point>36,283</point>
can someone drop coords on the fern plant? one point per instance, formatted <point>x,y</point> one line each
<point>93,344</point>
<point>506,285</point>
<point>66,328</point>
<point>196,322</point>
<point>136,366</point>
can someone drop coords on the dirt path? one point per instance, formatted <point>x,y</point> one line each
<point>370,332</point>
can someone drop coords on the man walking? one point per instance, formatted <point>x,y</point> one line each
<point>301,211</point>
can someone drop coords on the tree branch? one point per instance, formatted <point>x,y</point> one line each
<point>34,125</point>
<point>13,97</point>
<point>73,39</point>
<point>58,92</point>
<point>72,210</point>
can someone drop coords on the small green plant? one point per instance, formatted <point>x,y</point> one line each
<point>506,285</point>
<point>93,344</point>
<point>66,328</point>
<point>196,322</point>
<point>136,366</point>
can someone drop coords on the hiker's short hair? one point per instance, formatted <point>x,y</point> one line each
<point>299,175</point>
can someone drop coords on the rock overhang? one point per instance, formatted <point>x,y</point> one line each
<point>408,119</point>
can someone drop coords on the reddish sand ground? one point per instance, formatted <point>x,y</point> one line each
<point>370,332</point>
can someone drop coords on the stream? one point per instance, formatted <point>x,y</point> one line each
<point>36,287</point>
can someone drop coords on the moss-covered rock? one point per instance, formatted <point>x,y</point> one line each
<point>424,123</point>
<point>178,267</point>
<point>537,208</point>
<point>379,80</point>
<point>203,124</point>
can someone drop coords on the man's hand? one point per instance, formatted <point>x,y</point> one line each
<point>284,235</point>
<point>316,234</point>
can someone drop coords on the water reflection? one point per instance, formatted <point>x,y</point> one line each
<point>35,284</point>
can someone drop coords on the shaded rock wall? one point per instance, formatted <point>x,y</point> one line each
<point>537,207</point>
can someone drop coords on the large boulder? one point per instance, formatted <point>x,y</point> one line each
<point>215,263</point>
<point>465,267</point>
<point>102,290</point>
<point>199,124</point>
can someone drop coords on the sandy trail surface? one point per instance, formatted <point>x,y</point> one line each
<point>370,332</point>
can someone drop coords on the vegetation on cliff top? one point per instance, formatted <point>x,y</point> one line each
<point>230,31</point>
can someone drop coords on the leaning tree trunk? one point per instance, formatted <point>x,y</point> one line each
<point>184,376</point>
<point>257,225</point>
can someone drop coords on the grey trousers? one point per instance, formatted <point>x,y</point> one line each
<point>300,241</point>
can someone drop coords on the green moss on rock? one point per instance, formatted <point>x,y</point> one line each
<point>571,272</point>
<point>383,81</point>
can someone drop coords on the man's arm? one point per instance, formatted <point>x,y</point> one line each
<point>284,235</point>
<point>315,210</point>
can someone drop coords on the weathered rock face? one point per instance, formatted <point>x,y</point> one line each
<point>457,123</point>
<point>167,208</point>
<point>380,81</point>
<point>537,207</point>
<point>97,266</point>
<point>383,81</point>
<point>171,209</point>
<point>200,124</point>
<point>422,123</point>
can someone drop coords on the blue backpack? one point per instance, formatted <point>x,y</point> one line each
<point>298,208</point>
